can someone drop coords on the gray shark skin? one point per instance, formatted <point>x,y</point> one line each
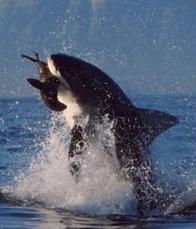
<point>98,96</point>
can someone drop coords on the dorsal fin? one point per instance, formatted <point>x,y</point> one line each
<point>154,123</point>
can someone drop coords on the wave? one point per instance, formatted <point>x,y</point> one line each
<point>48,180</point>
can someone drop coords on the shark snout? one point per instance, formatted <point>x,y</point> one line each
<point>52,67</point>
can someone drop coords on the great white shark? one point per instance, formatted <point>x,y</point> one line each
<point>85,92</point>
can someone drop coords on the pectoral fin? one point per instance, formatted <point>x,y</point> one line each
<point>76,151</point>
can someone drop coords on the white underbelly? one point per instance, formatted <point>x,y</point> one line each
<point>74,111</point>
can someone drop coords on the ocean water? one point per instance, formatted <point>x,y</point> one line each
<point>42,194</point>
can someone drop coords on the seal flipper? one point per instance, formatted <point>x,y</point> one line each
<point>154,123</point>
<point>48,91</point>
<point>36,83</point>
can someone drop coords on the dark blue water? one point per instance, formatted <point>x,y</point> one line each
<point>31,168</point>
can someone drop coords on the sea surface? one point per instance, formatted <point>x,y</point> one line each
<point>42,193</point>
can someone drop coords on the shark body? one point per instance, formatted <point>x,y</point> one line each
<point>85,92</point>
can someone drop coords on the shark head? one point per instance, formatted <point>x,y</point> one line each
<point>66,70</point>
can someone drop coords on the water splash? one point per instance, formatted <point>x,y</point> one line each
<point>48,180</point>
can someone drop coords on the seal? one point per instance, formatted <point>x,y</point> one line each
<point>47,85</point>
<point>90,94</point>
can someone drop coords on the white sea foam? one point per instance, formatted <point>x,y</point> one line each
<point>49,181</point>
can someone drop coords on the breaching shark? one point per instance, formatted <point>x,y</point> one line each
<point>87,95</point>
